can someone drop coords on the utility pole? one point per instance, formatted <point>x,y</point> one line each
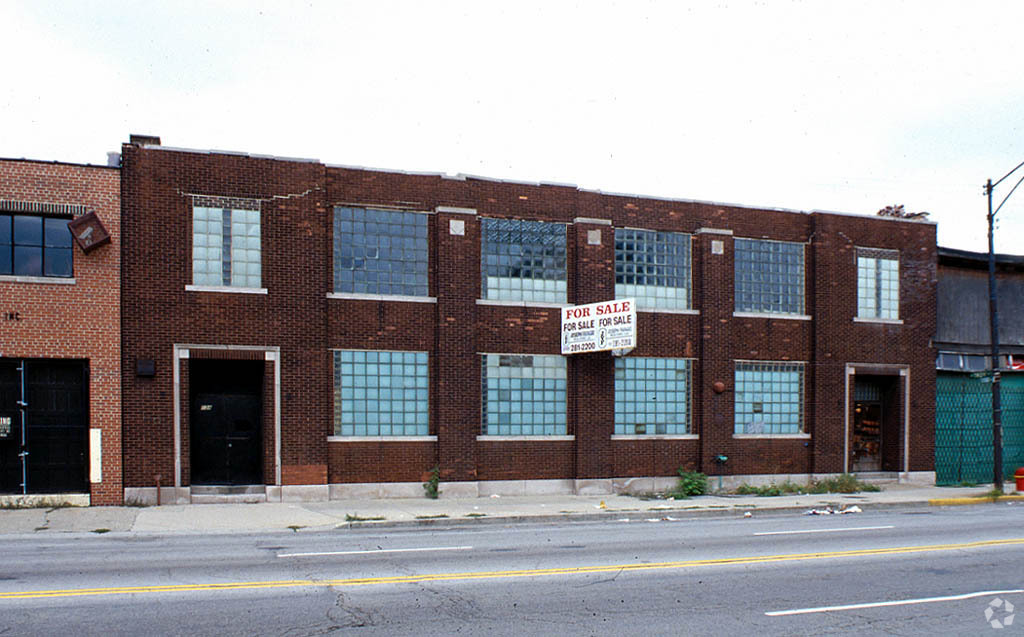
<point>993,315</point>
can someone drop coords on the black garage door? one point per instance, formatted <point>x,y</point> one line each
<point>43,426</point>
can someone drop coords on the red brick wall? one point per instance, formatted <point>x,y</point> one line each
<point>79,321</point>
<point>455,329</point>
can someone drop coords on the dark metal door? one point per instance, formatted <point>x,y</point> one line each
<point>226,446</point>
<point>10,426</point>
<point>55,421</point>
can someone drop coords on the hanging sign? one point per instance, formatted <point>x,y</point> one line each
<point>599,327</point>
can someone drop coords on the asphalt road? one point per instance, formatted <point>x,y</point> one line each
<point>931,572</point>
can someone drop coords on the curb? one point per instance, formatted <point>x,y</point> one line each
<point>981,499</point>
<point>677,515</point>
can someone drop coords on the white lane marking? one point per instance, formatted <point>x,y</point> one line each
<point>850,528</point>
<point>897,602</point>
<point>415,550</point>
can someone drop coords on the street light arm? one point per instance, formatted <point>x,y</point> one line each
<point>1007,194</point>
<point>1007,175</point>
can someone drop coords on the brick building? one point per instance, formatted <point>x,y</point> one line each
<point>60,331</point>
<point>299,330</point>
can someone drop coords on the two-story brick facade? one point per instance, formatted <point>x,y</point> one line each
<point>299,330</point>
<point>60,331</point>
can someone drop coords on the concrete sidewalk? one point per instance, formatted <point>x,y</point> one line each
<point>228,518</point>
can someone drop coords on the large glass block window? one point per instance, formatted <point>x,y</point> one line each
<point>653,267</point>
<point>523,395</point>
<point>35,246</point>
<point>523,260</point>
<point>226,247</point>
<point>652,396</point>
<point>380,251</point>
<point>769,276</point>
<point>380,393</point>
<point>878,284</point>
<point>769,398</point>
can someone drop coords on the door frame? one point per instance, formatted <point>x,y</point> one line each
<point>876,369</point>
<point>180,352</point>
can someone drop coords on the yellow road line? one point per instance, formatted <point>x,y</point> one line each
<point>540,572</point>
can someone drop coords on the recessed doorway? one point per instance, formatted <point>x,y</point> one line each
<point>226,421</point>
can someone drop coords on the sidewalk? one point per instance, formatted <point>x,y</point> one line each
<point>227,518</point>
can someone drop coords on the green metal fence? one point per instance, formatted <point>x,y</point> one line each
<point>963,427</point>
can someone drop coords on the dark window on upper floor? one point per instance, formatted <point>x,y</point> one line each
<point>31,245</point>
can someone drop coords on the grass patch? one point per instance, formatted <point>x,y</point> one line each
<point>845,483</point>
<point>436,516</point>
<point>101,531</point>
<point>358,518</point>
<point>476,515</point>
<point>992,494</point>
<point>296,527</point>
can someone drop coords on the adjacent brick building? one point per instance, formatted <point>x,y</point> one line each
<point>60,374</point>
<point>299,330</point>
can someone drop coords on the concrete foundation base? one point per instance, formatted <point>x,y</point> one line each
<point>48,500</point>
<point>475,489</point>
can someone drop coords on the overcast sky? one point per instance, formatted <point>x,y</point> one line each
<point>842,106</point>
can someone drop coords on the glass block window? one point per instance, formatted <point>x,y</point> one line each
<point>769,276</point>
<point>878,283</point>
<point>769,398</point>
<point>523,395</point>
<point>652,396</point>
<point>35,246</point>
<point>226,247</point>
<point>380,251</point>
<point>653,267</point>
<point>523,260</point>
<point>380,393</point>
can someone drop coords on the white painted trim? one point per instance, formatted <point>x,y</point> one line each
<point>455,210</point>
<point>593,220</point>
<point>904,374</point>
<point>400,298</point>
<point>858,319</point>
<point>768,315</point>
<point>655,437</point>
<point>381,438</point>
<point>493,438</point>
<point>182,351</point>
<point>720,231</point>
<point>224,288</point>
<point>7,278</point>
<point>802,436</point>
<point>521,303</point>
<point>178,354</point>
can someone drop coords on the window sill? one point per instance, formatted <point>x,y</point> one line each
<point>772,436</point>
<point>655,437</point>
<point>666,310</point>
<point>520,303</point>
<point>381,438</point>
<point>864,319</point>
<point>54,280</point>
<point>488,438</point>
<point>766,315</point>
<point>224,288</point>
<point>355,296</point>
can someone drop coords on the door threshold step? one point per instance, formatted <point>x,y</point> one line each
<point>228,494</point>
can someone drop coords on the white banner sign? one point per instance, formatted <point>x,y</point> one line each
<point>598,327</point>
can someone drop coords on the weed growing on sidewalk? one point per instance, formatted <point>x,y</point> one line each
<point>431,485</point>
<point>690,483</point>
<point>358,518</point>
